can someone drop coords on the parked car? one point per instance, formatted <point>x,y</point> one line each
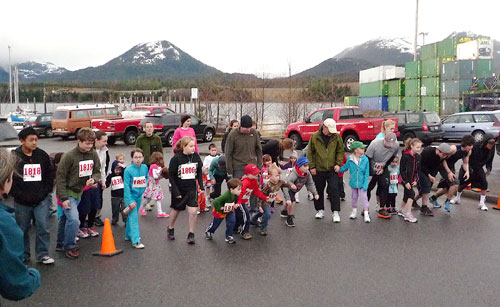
<point>128,127</point>
<point>67,120</point>
<point>424,125</point>
<point>477,123</point>
<point>165,125</point>
<point>351,124</point>
<point>42,123</point>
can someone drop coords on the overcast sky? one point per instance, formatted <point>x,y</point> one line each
<point>233,36</point>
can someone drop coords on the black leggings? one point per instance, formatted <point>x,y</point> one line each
<point>408,194</point>
<point>90,217</point>
<point>382,181</point>
<point>391,200</point>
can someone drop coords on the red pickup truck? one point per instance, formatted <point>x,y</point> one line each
<point>351,124</point>
<point>128,127</point>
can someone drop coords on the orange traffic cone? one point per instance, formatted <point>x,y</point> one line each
<point>497,207</point>
<point>108,243</point>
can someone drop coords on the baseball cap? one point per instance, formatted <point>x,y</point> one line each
<point>302,160</point>
<point>444,148</point>
<point>331,125</point>
<point>246,121</point>
<point>390,139</point>
<point>357,144</point>
<point>252,169</point>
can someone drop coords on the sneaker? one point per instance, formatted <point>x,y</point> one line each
<point>410,218</point>
<point>246,236</point>
<point>71,253</point>
<point>284,213</point>
<point>98,221</point>
<point>190,238</point>
<point>289,221</point>
<point>170,234</point>
<point>230,240</point>
<point>163,214</point>
<point>426,211</point>
<point>92,232</point>
<point>114,222</point>
<point>263,232</point>
<point>142,212</point>
<point>205,210</point>
<point>336,217</point>
<point>198,212</point>
<point>342,199</point>
<point>382,213</point>
<point>59,248</point>
<point>320,214</point>
<point>400,213</point>
<point>455,200</point>
<point>138,245</point>
<point>354,214</point>
<point>392,211</point>
<point>482,207</point>
<point>83,233</point>
<point>46,260</point>
<point>77,239</point>
<point>208,235</point>
<point>435,203</point>
<point>447,206</point>
<point>367,218</point>
<point>126,239</point>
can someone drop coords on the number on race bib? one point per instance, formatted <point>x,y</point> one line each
<point>188,171</point>
<point>228,207</point>
<point>32,172</point>
<point>116,183</point>
<point>86,168</point>
<point>139,182</point>
<point>394,179</point>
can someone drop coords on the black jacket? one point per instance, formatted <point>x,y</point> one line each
<point>31,193</point>
<point>272,148</point>
<point>118,192</point>
<point>408,167</point>
<point>481,156</point>
<point>179,186</point>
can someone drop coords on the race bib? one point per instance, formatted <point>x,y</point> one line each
<point>247,194</point>
<point>265,178</point>
<point>188,171</point>
<point>378,166</point>
<point>228,207</point>
<point>139,182</point>
<point>116,183</point>
<point>272,196</point>
<point>32,172</point>
<point>394,179</point>
<point>86,168</point>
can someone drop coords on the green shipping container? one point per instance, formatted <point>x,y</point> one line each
<point>411,103</point>
<point>397,87</point>
<point>430,103</point>
<point>455,88</point>
<point>449,106</point>
<point>429,87</point>
<point>351,101</point>
<point>428,52</point>
<point>374,89</point>
<point>412,87</point>
<point>483,68</point>
<point>396,103</point>
<point>457,70</point>
<point>447,48</point>
<point>431,68</point>
<point>412,70</point>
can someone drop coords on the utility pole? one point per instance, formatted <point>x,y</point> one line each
<point>416,34</point>
<point>10,78</point>
<point>44,102</point>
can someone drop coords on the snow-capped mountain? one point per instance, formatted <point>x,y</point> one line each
<point>150,54</point>
<point>32,70</point>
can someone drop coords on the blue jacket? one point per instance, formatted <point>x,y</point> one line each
<point>359,174</point>
<point>17,281</point>
<point>132,194</point>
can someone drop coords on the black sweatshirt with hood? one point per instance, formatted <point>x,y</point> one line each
<point>481,156</point>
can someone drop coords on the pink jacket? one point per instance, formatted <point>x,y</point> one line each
<point>181,132</point>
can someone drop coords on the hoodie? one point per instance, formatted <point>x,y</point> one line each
<point>409,167</point>
<point>359,172</point>
<point>482,156</point>
<point>24,185</point>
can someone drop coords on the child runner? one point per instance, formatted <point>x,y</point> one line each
<point>359,168</point>
<point>271,189</point>
<point>134,181</point>
<point>299,177</point>
<point>153,191</point>
<point>185,172</point>
<point>289,167</point>
<point>218,174</point>
<point>224,209</point>
<point>264,172</point>
<point>87,210</point>
<point>393,186</point>
<point>410,165</point>
<point>115,181</point>
<point>78,168</point>
<point>341,181</point>
<point>207,179</point>
<point>249,187</point>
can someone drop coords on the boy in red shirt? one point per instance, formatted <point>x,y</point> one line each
<point>249,186</point>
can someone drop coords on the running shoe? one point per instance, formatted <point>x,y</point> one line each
<point>434,201</point>
<point>410,218</point>
<point>426,211</point>
<point>382,213</point>
<point>208,235</point>
<point>354,214</point>
<point>367,218</point>
<point>170,234</point>
<point>246,236</point>
<point>190,238</point>
<point>289,221</point>
<point>482,207</point>
<point>163,214</point>
<point>263,232</point>
<point>83,233</point>
<point>71,253</point>
<point>447,206</point>
<point>336,217</point>
<point>320,214</point>
<point>230,240</point>
<point>92,232</point>
<point>138,245</point>
<point>284,213</point>
<point>98,221</point>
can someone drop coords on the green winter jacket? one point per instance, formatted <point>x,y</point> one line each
<point>149,144</point>
<point>324,157</point>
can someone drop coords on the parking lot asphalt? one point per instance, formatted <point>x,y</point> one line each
<point>451,259</point>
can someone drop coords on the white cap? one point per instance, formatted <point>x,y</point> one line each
<point>331,125</point>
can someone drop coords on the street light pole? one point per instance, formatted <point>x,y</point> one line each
<point>10,78</point>
<point>416,34</point>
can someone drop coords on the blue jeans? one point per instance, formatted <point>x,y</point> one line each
<point>265,219</point>
<point>132,227</point>
<point>68,225</point>
<point>230,222</point>
<point>40,213</point>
